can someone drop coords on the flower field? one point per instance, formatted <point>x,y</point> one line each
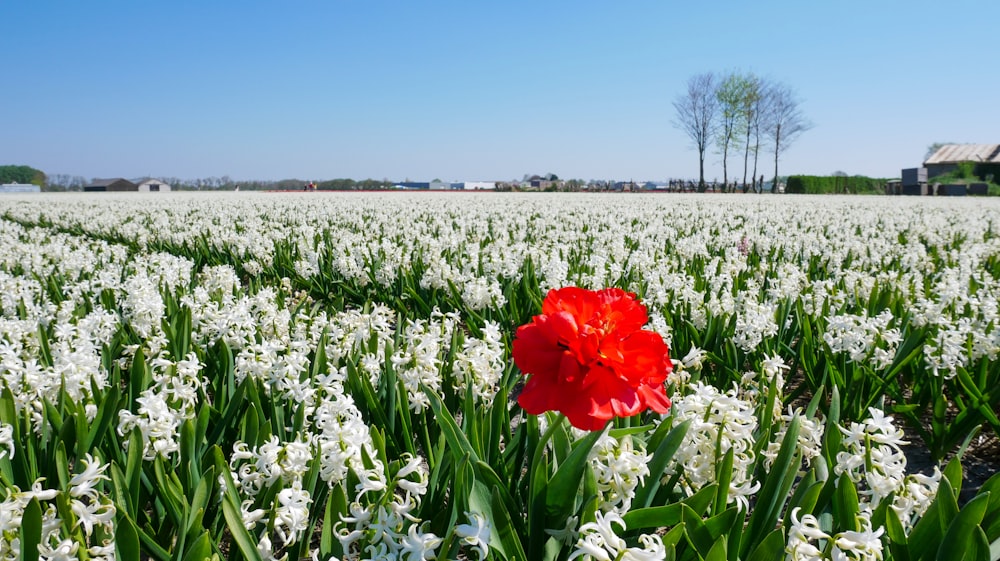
<point>348,376</point>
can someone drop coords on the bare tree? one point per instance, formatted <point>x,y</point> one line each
<point>749,105</point>
<point>757,122</point>
<point>696,113</point>
<point>784,124</point>
<point>730,94</point>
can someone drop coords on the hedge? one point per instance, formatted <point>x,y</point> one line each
<point>819,185</point>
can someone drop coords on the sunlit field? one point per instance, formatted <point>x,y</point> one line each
<point>331,376</point>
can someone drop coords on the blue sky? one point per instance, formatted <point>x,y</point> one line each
<point>476,90</point>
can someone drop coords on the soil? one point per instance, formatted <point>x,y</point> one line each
<point>980,461</point>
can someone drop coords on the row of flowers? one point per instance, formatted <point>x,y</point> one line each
<point>885,299</point>
<point>204,411</point>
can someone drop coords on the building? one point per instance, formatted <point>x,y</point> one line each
<point>480,185</point>
<point>20,188</point>
<point>153,185</point>
<point>946,158</point>
<point>411,185</point>
<point>116,184</point>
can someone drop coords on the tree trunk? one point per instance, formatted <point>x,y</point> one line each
<point>746,157</point>
<point>701,171</point>
<point>777,150</point>
<point>725,156</point>
<point>756,152</point>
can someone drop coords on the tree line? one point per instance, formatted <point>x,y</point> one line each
<point>735,112</point>
<point>21,174</point>
<point>65,182</point>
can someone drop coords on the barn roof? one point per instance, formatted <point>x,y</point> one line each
<point>954,153</point>
<point>105,182</point>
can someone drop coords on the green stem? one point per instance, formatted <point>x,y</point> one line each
<point>536,530</point>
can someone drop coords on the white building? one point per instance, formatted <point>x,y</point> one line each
<point>480,185</point>
<point>20,188</point>
<point>154,185</point>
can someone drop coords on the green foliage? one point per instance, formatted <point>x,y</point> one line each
<point>22,174</point>
<point>965,170</point>
<point>836,184</point>
<point>972,172</point>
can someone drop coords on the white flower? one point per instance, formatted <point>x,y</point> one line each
<point>6,441</point>
<point>802,537</point>
<point>619,469</point>
<point>476,534</point>
<point>417,546</point>
<point>292,514</point>
<point>719,422</point>
<point>599,541</point>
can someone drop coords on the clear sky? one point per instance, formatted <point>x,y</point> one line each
<point>469,90</point>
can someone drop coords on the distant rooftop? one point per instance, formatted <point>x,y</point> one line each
<point>955,153</point>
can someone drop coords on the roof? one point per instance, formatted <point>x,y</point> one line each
<point>954,153</point>
<point>106,182</point>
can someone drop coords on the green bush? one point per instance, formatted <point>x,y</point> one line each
<point>965,170</point>
<point>21,174</point>
<point>821,185</point>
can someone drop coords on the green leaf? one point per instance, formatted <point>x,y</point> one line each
<point>846,505</point>
<point>120,493</point>
<point>189,459</point>
<point>336,504</point>
<point>995,550</point>
<point>718,551</point>
<point>618,434</point>
<point>775,490</point>
<point>953,474</point>
<point>959,536</point>
<point>980,550</point>
<point>806,495</point>
<point>107,412</point>
<point>697,535</point>
<point>457,440</point>
<point>947,504</point>
<point>31,530</point>
<point>653,517</point>
<point>126,539</point>
<point>658,464</point>
<point>199,499</point>
<point>925,537</point>
<point>507,540</point>
<point>171,494</point>
<point>133,466</point>
<point>563,487</point>
<point>724,475</point>
<point>231,509</point>
<point>770,548</point>
<point>201,549</point>
<point>243,539</point>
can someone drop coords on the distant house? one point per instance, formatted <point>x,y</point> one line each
<point>116,184</point>
<point>946,158</point>
<point>539,183</point>
<point>480,185</point>
<point>153,185</point>
<point>20,188</point>
<point>410,185</point>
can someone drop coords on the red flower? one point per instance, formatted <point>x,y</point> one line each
<point>588,357</point>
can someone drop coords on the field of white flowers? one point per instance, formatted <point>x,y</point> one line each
<point>329,376</point>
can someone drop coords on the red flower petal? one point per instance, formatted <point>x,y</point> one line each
<point>540,394</point>
<point>587,356</point>
<point>654,397</point>
<point>533,352</point>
